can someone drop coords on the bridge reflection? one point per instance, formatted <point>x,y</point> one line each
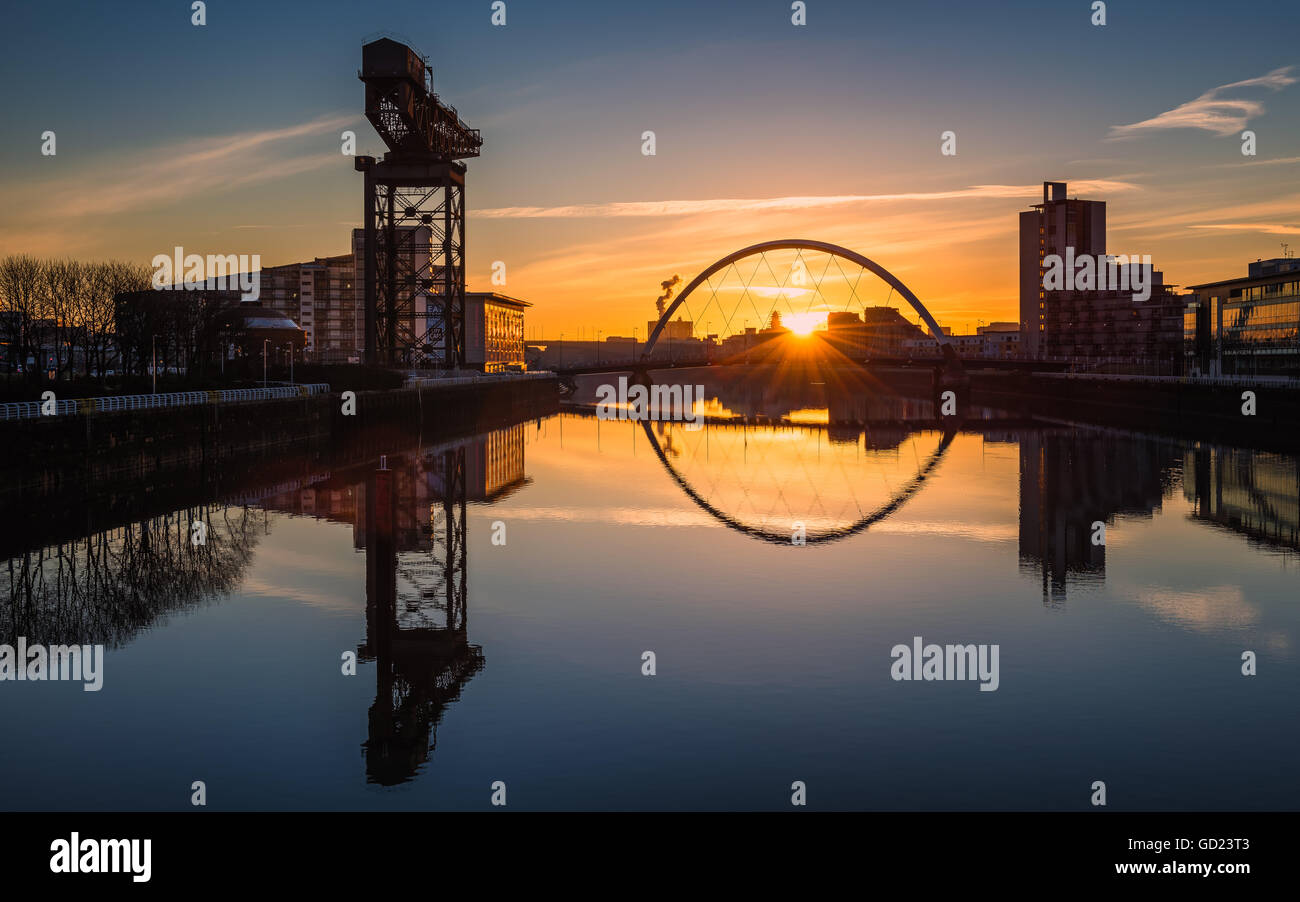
<point>772,451</point>
<point>783,455</point>
<point>762,445</point>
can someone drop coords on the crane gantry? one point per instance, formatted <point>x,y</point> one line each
<point>414,233</point>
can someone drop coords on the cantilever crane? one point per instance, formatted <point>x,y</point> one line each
<point>401,105</point>
<point>414,241</point>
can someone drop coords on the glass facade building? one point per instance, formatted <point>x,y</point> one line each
<point>1247,326</point>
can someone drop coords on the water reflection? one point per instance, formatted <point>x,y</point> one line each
<point>104,587</point>
<point>1256,494</point>
<point>408,517</point>
<point>769,458</point>
<point>1071,479</point>
<point>416,615</point>
<point>670,444</point>
<point>955,502</point>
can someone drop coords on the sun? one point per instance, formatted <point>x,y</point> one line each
<point>803,324</point>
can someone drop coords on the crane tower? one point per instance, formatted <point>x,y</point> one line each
<point>414,234</point>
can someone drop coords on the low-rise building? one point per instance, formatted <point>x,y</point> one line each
<point>879,332</point>
<point>1245,326</point>
<point>494,332</point>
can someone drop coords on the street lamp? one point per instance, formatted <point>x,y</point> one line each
<point>265,343</point>
<point>154,365</point>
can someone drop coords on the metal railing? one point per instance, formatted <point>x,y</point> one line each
<point>1231,380</point>
<point>17,410</point>
<point>453,377</point>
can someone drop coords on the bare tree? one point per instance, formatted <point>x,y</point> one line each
<point>63,281</point>
<point>20,294</point>
<point>105,281</point>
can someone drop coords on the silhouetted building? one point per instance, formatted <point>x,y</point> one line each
<point>880,332</point>
<point>1101,325</point>
<point>1049,228</point>
<point>675,329</point>
<point>183,330</point>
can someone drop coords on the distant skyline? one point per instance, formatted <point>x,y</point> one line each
<point>226,138</point>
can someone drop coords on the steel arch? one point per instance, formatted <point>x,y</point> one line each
<point>945,345</point>
<point>899,498</point>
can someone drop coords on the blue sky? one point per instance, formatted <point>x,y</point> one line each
<point>225,138</point>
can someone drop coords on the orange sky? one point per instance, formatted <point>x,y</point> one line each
<point>774,133</point>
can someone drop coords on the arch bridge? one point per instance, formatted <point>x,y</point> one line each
<point>803,244</point>
<point>945,361</point>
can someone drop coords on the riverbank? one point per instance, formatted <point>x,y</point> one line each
<point>1257,413</point>
<point>92,448</point>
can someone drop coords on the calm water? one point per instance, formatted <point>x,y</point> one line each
<point>521,661</point>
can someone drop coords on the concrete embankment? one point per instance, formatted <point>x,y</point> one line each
<point>1205,411</point>
<point>90,448</point>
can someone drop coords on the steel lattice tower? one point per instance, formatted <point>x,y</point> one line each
<point>414,233</point>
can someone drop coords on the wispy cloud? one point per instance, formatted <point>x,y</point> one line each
<point>96,195</point>
<point>1268,228</point>
<point>1212,111</point>
<point>1280,161</point>
<point>770,204</point>
<point>194,168</point>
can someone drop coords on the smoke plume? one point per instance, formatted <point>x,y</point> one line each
<point>667,285</point>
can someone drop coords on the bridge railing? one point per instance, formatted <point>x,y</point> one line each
<point>454,377</point>
<point>17,410</point>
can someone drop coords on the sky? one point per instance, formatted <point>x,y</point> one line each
<point>225,138</point>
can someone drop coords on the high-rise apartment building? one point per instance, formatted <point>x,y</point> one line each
<point>1050,228</point>
<point>321,297</point>
<point>1120,315</point>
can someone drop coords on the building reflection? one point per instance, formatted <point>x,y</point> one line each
<point>1072,478</point>
<point>416,615</point>
<point>408,515</point>
<point>413,533</point>
<point>410,520</point>
<point>1253,493</point>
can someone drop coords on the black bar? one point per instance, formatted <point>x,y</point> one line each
<point>980,851</point>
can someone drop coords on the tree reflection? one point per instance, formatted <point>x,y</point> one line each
<point>104,587</point>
